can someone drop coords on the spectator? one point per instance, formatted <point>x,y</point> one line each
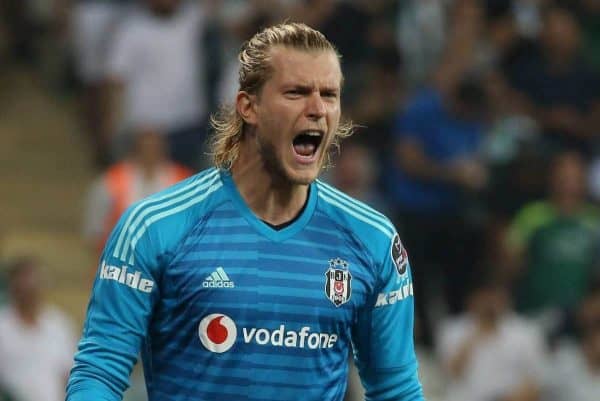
<point>434,175</point>
<point>563,92</point>
<point>147,170</point>
<point>490,353</point>
<point>155,71</point>
<point>355,172</point>
<point>350,38</point>
<point>421,29</point>
<point>92,24</point>
<point>575,371</point>
<point>240,20</point>
<point>510,151</point>
<point>590,17</point>
<point>37,341</point>
<point>554,241</point>
<point>382,91</point>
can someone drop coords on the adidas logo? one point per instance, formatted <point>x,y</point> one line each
<point>218,279</point>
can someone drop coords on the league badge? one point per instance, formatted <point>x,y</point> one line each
<point>338,286</point>
<point>399,256</point>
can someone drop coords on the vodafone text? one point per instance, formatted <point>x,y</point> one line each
<point>293,339</point>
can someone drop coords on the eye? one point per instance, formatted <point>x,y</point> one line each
<point>329,94</point>
<point>293,93</point>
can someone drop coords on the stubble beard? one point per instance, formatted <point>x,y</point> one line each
<point>275,167</point>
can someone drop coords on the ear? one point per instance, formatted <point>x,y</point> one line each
<point>244,103</point>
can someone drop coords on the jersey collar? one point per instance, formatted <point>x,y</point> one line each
<point>260,226</point>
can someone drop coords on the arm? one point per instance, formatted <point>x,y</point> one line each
<point>413,161</point>
<point>96,212</point>
<point>118,314</point>
<point>458,358</point>
<point>413,132</point>
<point>383,334</point>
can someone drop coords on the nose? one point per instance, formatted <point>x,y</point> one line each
<point>315,107</point>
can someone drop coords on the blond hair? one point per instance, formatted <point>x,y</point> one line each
<point>255,70</point>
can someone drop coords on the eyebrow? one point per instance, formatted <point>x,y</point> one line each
<point>308,88</point>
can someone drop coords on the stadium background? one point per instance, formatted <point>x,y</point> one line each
<point>511,86</point>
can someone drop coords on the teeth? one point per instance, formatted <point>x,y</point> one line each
<point>313,133</point>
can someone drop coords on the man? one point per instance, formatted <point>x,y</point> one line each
<point>155,75</point>
<point>560,85</point>
<point>553,242</point>
<point>434,175</point>
<point>93,23</point>
<point>36,341</point>
<point>489,352</point>
<point>249,281</point>
<point>147,170</point>
<point>574,373</point>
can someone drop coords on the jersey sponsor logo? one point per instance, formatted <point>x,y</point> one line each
<point>338,282</point>
<point>123,276</point>
<point>218,279</point>
<point>399,256</point>
<point>289,338</point>
<point>390,298</point>
<point>218,333</point>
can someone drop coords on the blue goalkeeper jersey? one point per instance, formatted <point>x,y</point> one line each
<point>221,306</point>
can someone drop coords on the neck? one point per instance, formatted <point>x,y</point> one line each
<point>148,169</point>
<point>28,313</point>
<point>567,205</point>
<point>271,198</point>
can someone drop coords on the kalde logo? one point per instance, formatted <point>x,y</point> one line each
<point>130,279</point>
<point>218,334</point>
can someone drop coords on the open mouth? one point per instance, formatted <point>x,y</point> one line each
<point>307,143</point>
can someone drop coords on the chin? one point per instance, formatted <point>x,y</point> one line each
<point>302,177</point>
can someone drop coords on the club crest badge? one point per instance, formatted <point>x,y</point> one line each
<point>399,256</point>
<point>338,287</point>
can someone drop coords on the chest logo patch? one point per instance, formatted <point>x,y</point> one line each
<point>338,282</point>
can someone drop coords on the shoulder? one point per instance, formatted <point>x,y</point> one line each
<point>591,213</point>
<point>6,315</point>
<point>533,215</point>
<point>161,220</point>
<point>456,326</point>
<point>426,100</point>
<point>372,228</point>
<point>57,319</point>
<point>452,331</point>
<point>522,329</point>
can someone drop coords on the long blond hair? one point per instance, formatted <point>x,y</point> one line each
<point>255,70</point>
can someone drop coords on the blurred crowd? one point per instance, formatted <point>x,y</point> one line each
<point>478,133</point>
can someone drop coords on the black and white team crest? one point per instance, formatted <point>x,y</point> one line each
<point>399,256</point>
<point>338,286</point>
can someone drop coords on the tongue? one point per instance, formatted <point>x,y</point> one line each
<point>304,149</point>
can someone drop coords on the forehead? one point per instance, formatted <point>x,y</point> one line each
<point>319,68</point>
